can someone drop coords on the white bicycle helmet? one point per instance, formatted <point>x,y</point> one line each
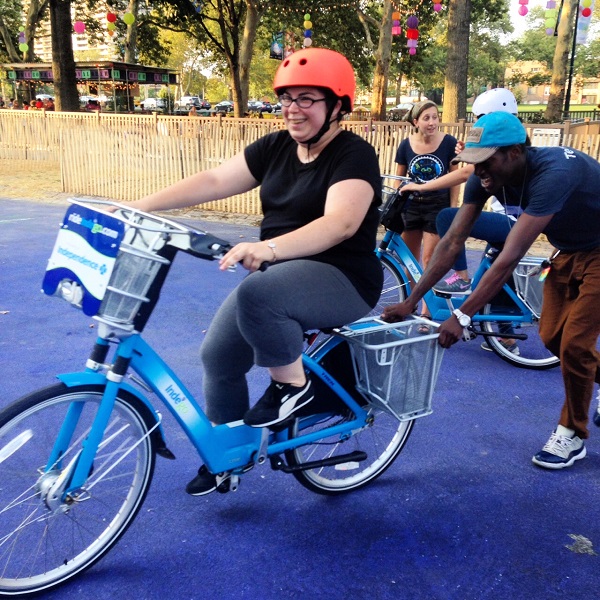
<point>497,99</point>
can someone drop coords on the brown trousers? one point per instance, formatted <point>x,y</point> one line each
<point>570,326</point>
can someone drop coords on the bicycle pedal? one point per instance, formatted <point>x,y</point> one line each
<point>223,483</point>
<point>282,425</point>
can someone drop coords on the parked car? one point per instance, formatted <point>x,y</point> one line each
<point>266,107</point>
<point>225,106</point>
<point>186,102</point>
<point>254,106</point>
<point>399,111</point>
<point>205,104</point>
<point>156,104</point>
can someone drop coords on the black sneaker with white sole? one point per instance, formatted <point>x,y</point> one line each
<point>204,483</point>
<point>279,401</point>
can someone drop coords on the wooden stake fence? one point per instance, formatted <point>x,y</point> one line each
<point>125,157</point>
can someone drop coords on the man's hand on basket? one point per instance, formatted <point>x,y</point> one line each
<point>397,312</point>
<point>450,332</point>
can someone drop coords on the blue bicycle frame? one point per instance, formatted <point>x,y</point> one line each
<point>396,251</point>
<point>230,447</point>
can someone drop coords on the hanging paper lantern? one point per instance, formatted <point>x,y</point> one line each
<point>583,23</point>
<point>396,29</point>
<point>111,27</point>
<point>523,10</point>
<point>128,19</point>
<point>412,22</point>
<point>307,31</point>
<point>412,34</point>
<point>437,7</point>
<point>79,26</point>
<point>111,17</point>
<point>111,32</point>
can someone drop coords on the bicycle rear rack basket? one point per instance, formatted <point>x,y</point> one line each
<point>396,367</point>
<point>529,288</point>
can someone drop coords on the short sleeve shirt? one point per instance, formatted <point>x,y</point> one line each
<point>422,168</point>
<point>293,194</point>
<point>560,181</point>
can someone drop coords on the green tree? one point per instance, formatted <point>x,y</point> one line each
<point>554,110</point>
<point>11,12</point>
<point>455,83</point>
<point>226,28</point>
<point>63,63</point>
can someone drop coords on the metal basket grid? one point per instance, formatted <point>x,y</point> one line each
<point>386,193</point>
<point>396,367</point>
<point>134,272</point>
<point>529,288</point>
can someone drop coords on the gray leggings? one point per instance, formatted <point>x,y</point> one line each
<point>262,322</point>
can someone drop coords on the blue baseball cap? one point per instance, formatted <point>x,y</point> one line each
<point>492,131</point>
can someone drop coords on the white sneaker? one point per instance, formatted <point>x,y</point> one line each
<point>560,451</point>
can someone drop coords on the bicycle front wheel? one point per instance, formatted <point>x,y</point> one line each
<point>394,287</point>
<point>45,541</point>
<point>530,354</point>
<point>382,440</point>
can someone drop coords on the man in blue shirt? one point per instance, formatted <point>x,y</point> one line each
<point>558,191</point>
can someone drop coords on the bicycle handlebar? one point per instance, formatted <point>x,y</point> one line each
<point>195,242</point>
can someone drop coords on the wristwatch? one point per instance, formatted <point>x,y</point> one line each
<point>272,245</point>
<point>464,320</point>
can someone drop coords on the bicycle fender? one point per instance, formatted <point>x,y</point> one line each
<point>83,378</point>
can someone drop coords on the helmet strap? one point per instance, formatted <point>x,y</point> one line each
<point>324,129</point>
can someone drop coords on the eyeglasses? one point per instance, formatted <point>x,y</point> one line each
<point>301,101</point>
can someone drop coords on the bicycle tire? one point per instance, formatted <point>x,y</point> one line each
<point>394,287</point>
<point>382,440</point>
<point>532,352</point>
<point>40,547</point>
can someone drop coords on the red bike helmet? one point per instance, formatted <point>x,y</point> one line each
<point>318,67</point>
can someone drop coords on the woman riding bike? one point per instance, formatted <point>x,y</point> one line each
<point>320,192</point>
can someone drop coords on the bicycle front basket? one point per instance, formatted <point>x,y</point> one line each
<point>391,213</point>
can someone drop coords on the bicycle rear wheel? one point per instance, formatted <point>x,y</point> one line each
<point>382,440</point>
<point>44,542</point>
<point>532,354</point>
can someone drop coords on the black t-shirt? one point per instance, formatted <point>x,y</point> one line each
<point>293,194</point>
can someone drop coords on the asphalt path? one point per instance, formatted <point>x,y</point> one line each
<point>462,513</point>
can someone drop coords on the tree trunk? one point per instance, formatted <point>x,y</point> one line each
<point>63,63</point>
<point>382,64</point>
<point>130,54</point>
<point>560,64</point>
<point>241,83</point>
<point>457,64</point>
